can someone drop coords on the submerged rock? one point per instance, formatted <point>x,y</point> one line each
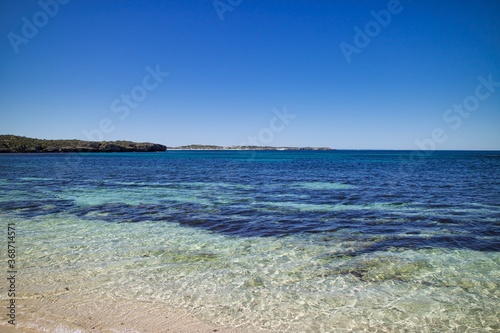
<point>379,269</point>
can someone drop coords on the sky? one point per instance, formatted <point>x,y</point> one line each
<point>344,74</point>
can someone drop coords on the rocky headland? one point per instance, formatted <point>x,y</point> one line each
<point>21,144</point>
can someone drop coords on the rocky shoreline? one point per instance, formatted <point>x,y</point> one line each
<point>21,144</point>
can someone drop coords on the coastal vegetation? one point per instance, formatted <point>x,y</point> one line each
<point>22,144</point>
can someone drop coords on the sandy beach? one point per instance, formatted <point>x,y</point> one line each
<point>14,329</point>
<point>106,315</point>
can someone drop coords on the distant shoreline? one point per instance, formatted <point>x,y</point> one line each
<point>238,148</point>
<point>242,149</point>
<point>22,144</point>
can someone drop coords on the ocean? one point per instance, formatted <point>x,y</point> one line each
<point>264,241</point>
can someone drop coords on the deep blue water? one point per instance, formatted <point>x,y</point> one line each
<point>445,199</point>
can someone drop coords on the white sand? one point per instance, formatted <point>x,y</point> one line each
<point>61,315</point>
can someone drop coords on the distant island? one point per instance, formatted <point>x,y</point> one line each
<point>21,144</point>
<point>213,147</point>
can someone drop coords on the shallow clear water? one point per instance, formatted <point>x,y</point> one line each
<point>285,241</point>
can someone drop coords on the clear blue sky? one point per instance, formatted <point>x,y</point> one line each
<point>227,76</point>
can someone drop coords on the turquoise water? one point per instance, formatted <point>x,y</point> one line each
<point>342,241</point>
